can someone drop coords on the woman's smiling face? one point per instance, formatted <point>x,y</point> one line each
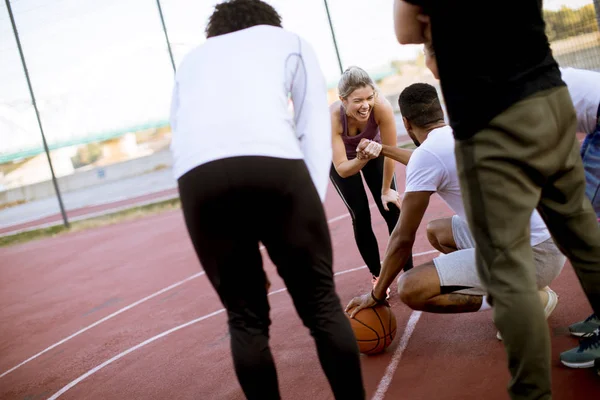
<point>359,103</point>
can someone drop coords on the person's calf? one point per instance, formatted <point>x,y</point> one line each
<point>439,234</point>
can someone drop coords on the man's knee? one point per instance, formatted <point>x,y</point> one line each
<point>435,232</point>
<point>409,290</point>
<point>417,286</point>
<point>439,234</point>
<point>432,234</point>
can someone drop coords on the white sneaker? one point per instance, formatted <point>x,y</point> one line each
<point>552,301</point>
<point>550,305</point>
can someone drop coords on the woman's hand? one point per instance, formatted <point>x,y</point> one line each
<point>390,196</point>
<point>368,150</point>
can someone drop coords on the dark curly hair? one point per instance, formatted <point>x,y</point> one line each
<point>419,103</point>
<point>234,15</point>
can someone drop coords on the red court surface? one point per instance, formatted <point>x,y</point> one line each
<point>125,312</point>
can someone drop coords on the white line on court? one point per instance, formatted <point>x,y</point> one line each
<point>129,307</point>
<point>131,349</point>
<point>396,358</point>
<point>122,310</point>
<point>386,380</point>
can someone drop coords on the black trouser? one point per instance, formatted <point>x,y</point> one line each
<point>231,205</point>
<point>352,192</point>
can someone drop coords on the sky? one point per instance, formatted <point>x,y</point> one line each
<point>103,65</point>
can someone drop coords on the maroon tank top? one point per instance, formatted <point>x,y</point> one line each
<point>370,132</point>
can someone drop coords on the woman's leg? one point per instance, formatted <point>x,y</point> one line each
<point>352,192</point>
<point>373,174</point>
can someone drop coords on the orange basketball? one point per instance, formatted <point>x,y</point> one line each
<point>374,328</point>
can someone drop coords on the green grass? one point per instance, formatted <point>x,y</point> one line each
<point>81,225</point>
<point>12,204</point>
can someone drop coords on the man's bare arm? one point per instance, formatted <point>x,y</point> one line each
<point>392,152</point>
<point>402,239</point>
<point>396,153</point>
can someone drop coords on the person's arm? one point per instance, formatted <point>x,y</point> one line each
<point>424,175</point>
<point>408,28</point>
<point>174,106</point>
<point>402,239</point>
<point>397,154</point>
<point>342,165</point>
<point>384,115</point>
<point>398,251</point>
<point>311,115</point>
<point>173,110</point>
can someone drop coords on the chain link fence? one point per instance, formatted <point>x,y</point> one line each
<point>102,71</point>
<point>574,35</point>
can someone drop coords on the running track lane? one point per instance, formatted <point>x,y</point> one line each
<point>193,361</point>
<point>78,299</point>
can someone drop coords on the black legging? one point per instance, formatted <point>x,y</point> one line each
<point>352,192</point>
<point>231,205</point>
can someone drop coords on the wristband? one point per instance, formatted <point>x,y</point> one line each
<point>375,298</point>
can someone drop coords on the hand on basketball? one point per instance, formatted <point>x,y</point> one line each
<point>368,150</point>
<point>390,196</point>
<point>360,302</point>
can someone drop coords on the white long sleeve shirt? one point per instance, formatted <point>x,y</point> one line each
<point>231,98</point>
<point>584,88</point>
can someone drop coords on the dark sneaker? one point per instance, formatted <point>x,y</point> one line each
<point>585,327</point>
<point>584,355</point>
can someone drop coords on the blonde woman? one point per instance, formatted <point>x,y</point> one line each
<point>362,113</point>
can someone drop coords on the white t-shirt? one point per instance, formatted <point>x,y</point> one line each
<point>231,98</point>
<point>432,168</point>
<point>584,88</point>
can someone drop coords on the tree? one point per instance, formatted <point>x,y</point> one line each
<point>568,22</point>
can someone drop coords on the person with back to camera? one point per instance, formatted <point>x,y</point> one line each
<point>255,174</point>
<point>516,150</point>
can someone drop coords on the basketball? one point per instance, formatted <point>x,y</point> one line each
<point>374,328</point>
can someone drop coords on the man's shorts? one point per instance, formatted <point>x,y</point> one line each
<point>459,267</point>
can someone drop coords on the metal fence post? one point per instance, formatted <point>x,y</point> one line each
<point>337,52</point>
<point>37,114</point>
<point>164,26</point>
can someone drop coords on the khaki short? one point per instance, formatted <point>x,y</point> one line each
<point>458,269</point>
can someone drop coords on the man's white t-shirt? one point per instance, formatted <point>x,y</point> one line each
<point>432,168</point>
<point>584,88</point>
<point>232,98</point>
